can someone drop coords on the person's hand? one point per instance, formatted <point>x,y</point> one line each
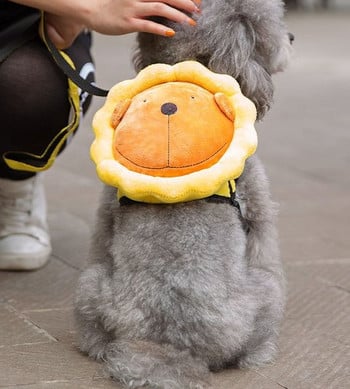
<point>117,17</point>
<point>61,30</point>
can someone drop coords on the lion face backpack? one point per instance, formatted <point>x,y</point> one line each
<point>174,134</point>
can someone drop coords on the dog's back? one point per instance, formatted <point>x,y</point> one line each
<point>175,290</point>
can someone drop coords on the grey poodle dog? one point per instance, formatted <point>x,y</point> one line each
<point>174,291</point>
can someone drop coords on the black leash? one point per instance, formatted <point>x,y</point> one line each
<point>71,73</point>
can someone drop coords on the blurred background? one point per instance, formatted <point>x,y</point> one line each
<point>316,4</point>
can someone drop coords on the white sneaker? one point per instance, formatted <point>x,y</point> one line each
<point>24,238</point>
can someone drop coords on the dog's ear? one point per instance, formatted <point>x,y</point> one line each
<point>119,111</point>
<point>251,50</point>
<point>235,54</point>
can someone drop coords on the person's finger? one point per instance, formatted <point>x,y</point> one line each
<point>60,41</point>
<point>165,11</point>
<point>144,25</point>
<point>191,6</point>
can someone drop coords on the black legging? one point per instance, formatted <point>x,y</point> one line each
<point>34,103</point>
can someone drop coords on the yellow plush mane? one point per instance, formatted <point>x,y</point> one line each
<point>173,133</point>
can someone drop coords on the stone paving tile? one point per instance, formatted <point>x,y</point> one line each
<point>32,364</point>
<point>16,328</point>
<point>58,322</point>
<point>235,379</point>
<point>314,341</point>
<point>309,359</point>
<point>65,183</point>
<point>72,384</point>
<point>311,225</point>
<point>308,238</point>
<point>50,287</point>
<point>70,238</point>
<point>335,272</point>
<point>318,302</point>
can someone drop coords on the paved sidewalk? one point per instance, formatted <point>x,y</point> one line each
<point>304,142</point>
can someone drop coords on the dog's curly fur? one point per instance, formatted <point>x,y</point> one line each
<point>173,291</point>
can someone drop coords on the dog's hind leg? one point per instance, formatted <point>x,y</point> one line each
<point>266,282</point>
<point>150,365</point>
<point>261,347</point>
<point>134,363</point>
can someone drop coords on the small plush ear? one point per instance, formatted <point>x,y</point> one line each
<point>225,105</point>
<point>119,112</point>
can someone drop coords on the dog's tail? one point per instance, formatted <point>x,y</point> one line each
<point>144,364</point>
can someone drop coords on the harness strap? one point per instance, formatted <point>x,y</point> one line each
<point>215,198</point>
<point>219,199</point>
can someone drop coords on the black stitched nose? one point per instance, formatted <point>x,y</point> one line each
<point>168,108</point>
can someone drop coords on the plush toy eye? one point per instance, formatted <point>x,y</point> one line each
<point>145,101</point>
<point>192,97</point>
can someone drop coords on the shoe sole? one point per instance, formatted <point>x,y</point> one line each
<point>25,262</point>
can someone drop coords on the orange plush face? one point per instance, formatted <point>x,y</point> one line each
<point>172,129</point>
<point>174,133</point>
